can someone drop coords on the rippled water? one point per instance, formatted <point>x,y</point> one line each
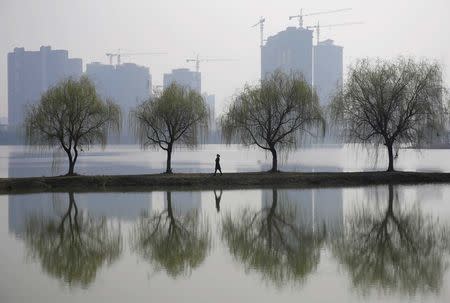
<point>371,244</point>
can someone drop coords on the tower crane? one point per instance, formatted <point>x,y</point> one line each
<point>318,26</point>
<point>118,55</point>
<point>301,15</point>
<point>197,61</point>
<point>261,28</point>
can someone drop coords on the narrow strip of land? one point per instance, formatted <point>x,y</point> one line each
<point>152,182</point>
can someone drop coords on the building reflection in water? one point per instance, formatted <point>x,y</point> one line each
<point>120,206</point>
<point>278,241</point>
<point>390,246</point>
<point>316,210</point>
<point>176,239</point>
<point>71,245</point>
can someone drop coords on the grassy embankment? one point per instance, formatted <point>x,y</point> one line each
<point>123,183</point>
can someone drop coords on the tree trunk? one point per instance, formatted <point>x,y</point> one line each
<point>71,163</point>
<point>390,209</point>
<point>274,159</point>
<point>169,159</point>
<point>391,156</point>
<point>169,204</point>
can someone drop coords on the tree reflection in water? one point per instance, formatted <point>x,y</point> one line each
<point>73,247</point>
<point>393,249</point>
<point>176,243</point>
<point>273,242</point>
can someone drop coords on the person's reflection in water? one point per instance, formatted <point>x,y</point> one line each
<point>393,249</point>
<point>74,247</point>
<point>175,241</point>
<point>273,241</point>
<point>218,197</point>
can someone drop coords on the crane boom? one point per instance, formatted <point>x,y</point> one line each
<point>197,61</point>
<point>318,26</point>
<point>118,55</point>
<point>301,15</point>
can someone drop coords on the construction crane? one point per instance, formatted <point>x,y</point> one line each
<point>318,26</point>
<point>261,28</point>
<point>118,55</point>
<point>197,61</point>
<point>301,15</point>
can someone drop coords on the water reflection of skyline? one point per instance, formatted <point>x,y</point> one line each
<point>312,213</point>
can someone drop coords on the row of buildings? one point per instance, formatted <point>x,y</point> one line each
<point>31,73</point>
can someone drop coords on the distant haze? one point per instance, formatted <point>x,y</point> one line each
<point>216,29</point>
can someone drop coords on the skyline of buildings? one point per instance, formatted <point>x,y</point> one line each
<point>31,73</point>
<point>290,50</point>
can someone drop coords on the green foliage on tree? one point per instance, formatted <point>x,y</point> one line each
<point>177,114</point>
<point>74,247</point>
<point>176,243</point>
<point>274,114</point>
<point>273,242</point>
<point>391,103</point>
<point>71,116</point>
<point>393,249</point>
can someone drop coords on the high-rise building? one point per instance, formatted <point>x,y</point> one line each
<point>31,73</point>
<point>328,69</point>
<point>184,77</point>
<point>211,103</point>
<point>126,84</point>
<point>289,51</point>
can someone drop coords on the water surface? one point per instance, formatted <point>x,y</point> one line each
<point>367,244</point>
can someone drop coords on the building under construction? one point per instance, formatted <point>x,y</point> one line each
<point>184,77</point>
<point>127,84</point>
<point>289,51</point>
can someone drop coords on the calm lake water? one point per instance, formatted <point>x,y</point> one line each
<point>19,161</point>
<point>371,244</point>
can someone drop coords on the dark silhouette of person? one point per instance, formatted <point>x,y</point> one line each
<point>218,199</point>
<point>218,165</point>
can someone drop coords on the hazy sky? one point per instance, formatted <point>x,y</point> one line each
<point>216,29</point>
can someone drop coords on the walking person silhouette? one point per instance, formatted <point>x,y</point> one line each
<point>217,165</point>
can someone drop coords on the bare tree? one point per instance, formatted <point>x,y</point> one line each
<point>390,103</point>
<point>71,115</point>
<point>273,114</point>
<point>176,114</point>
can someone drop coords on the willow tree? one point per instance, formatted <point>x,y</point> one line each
<point>73,247</point>
<point>174,242</point>
<point>273,114</point>
<point>177,114</point>
<point>390,103</point>
<point>393,248</point>
<point>275,241</point>
<point>71,116</point>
